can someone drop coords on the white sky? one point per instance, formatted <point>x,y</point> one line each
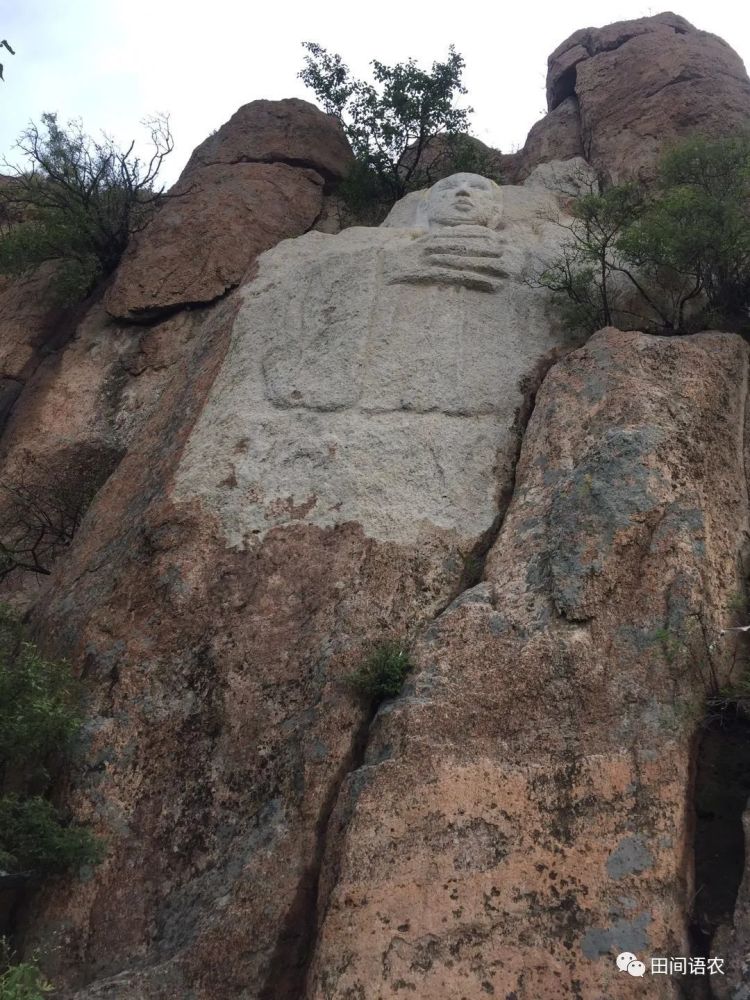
<point>112,62</point>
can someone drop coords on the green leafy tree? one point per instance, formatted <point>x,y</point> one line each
<point>40,717</point>
<point>698,226</point>
<point>77,201</point>
<point>590,256</point>
<point>391,121</point>
<point>673,257</point>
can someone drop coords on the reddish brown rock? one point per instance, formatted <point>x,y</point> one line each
<point>643,84</point>
<point>220,725</point>
<point>557,136</point>
<point>257,181</point>
<point>524,811</point>
<point>289,131</point>
<point>79,409</point>
<point>215,223</point>
<point>30,324</point>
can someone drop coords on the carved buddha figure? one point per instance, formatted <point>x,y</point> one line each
<point>378,372</point>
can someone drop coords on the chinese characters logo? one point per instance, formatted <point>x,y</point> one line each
<point>670,966</point>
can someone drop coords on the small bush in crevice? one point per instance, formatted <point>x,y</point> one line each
<point>381,675</point>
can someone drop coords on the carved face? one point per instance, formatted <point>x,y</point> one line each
<point>463,200</point>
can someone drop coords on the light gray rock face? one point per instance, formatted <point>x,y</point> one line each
<point>376,376</point>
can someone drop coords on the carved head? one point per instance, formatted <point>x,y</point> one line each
<point>462,200</point>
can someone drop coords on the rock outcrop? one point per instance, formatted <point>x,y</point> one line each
<point>232,575</point>
<point>292,131</point>
<point>260,179</point>
<point>523,812</point>
<point>640,85</point>
<point>324,441</point>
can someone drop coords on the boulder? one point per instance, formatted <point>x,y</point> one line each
<point>644,84</point>
<point>214,223</point>
<point>289,131</point>
<point>258,180</point>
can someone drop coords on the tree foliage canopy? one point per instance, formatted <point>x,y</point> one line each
<point>390,121</point>
<point>77,201</point>
<point>674,257</point>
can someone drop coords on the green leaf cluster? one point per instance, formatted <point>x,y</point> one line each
<point>23,980</point>
<point>671,258</point>
<point>381,675</point>
<point>391,120</point>
<point>40,717</point>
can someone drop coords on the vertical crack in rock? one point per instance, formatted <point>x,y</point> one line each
<point>722,788</point>
<point>475,561</point>
<point>721,793</point>
<point>295,945</point>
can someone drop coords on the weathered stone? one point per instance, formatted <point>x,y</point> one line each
<point>230,658</point>
<point>643,84</point>
<point>557,136</point>
<point>215,222</point>
<point>380,372</point>
<point>257,181</point>
<point>29,320</point>
<point>523,812</point>
<point>289,131</point>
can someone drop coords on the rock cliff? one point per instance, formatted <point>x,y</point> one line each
<point>323,440</point>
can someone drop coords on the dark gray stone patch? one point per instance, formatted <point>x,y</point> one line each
<point>630,855</point>
<point>623,935</point>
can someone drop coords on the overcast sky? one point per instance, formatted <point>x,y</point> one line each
<point>112,62</point>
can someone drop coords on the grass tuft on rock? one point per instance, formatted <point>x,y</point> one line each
<point>382,674</point>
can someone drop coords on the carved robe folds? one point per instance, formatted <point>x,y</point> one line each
<point>378,373</point>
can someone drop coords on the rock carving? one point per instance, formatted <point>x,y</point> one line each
<point>378,372</point>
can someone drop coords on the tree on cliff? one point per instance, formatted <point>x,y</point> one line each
<point>391,122</point>
<point>77,202</point>
<point>42,503</point>
<point>673,258</point>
